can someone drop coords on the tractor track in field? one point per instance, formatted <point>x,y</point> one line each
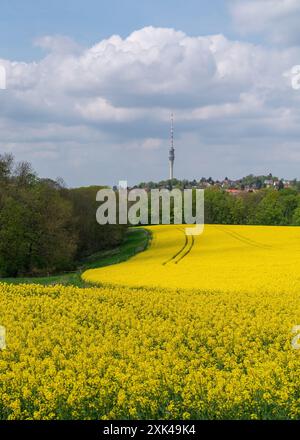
<point>188,251</point>
<point>243,239</point>
<point>184,250</point>
<point>181,249</point>
<point>190,241</point>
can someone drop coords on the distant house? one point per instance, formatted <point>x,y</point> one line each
<point>234,192</point>
<point>238,192</point>
<point>269,183</point>
<point>287,183</point>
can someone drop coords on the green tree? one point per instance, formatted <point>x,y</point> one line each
<point>92,237</point>
<point>36,232</point>
<point>270,211</point>
<point>219,207</point>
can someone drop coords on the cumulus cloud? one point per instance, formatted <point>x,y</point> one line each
<point>107,107</point>
<point>58,44</point>
<point>278,20</point>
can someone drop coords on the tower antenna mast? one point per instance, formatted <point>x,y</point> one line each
<point>172,150</point>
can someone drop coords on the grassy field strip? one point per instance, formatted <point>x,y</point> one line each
<point>136,241</point>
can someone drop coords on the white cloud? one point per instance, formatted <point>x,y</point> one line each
<point>152,144</point>
<point>104,104</point>
<point>277,19</point>
<point>58,44</point>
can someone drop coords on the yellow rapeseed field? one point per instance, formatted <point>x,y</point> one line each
<point>226,258</point>
<point>220,350</point>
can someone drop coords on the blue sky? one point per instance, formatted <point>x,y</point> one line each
<point>91,86</point>
<point>88,21</point>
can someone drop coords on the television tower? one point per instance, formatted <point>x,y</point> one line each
<point>172,150</point>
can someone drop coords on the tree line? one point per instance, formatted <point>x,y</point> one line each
<point>273,207</point>
<point>45,227</point>
<point>268,206</point>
